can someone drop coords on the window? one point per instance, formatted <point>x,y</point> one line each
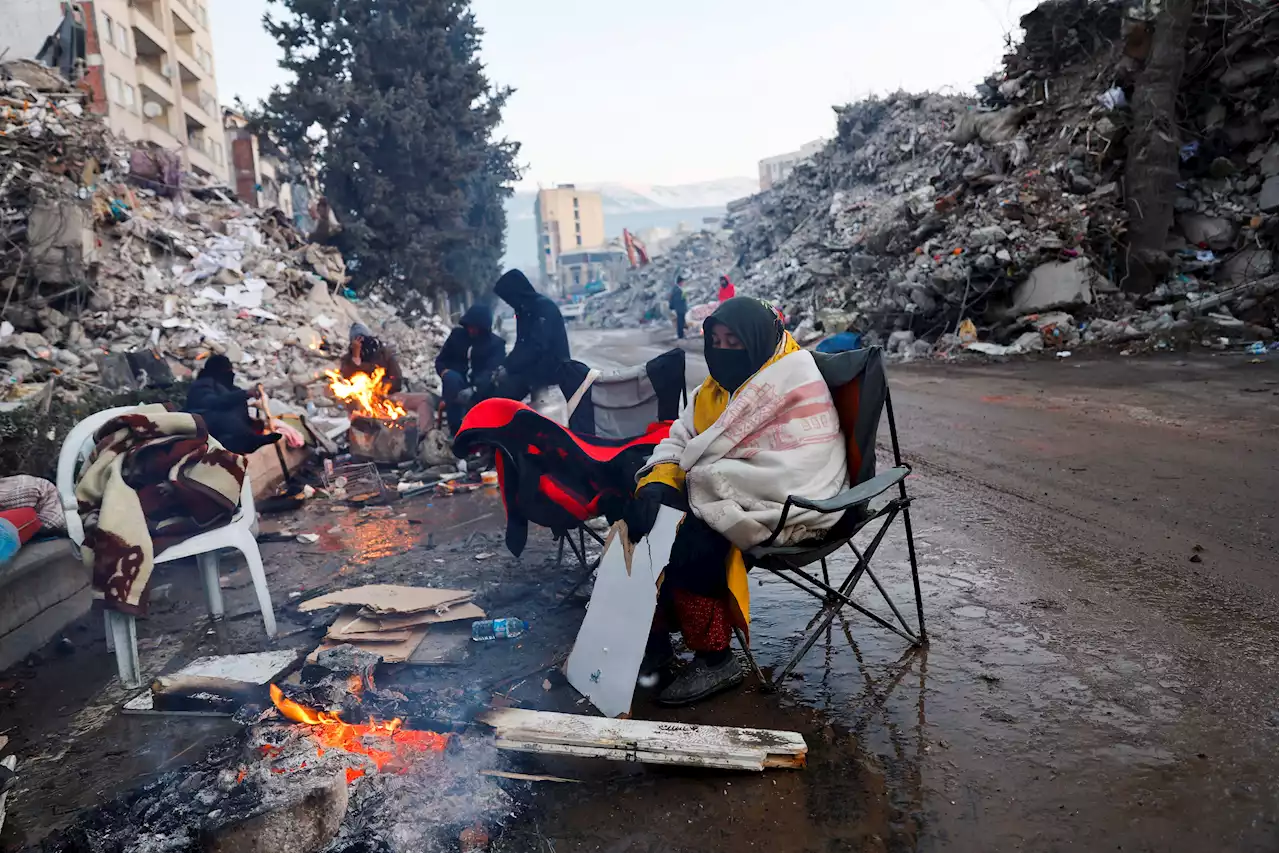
<point>122,39</point>
<point>575,214</point>
<point>115,89</point>
<point>130,100</point>
<point>216,152</point>
<point>548,250</point>
<point>202,15</point>
<point>577,227</point>
<point>579,239</point>
<point>108,29</point>
<point>575,202</point>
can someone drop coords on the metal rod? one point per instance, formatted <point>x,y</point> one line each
<point>887,599</point>
<point>825,576</point>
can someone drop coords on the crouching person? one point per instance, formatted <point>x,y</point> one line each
<point>467,363</point>
<point>762,427</point>
<point>225,408</point>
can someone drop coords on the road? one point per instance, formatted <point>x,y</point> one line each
<point>1098,548</point>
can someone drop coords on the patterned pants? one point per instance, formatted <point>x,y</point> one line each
<point>704,622</point>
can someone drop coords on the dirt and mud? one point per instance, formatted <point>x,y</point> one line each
<point>1097,539</point>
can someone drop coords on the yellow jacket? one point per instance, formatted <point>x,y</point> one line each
<point>709,403</point>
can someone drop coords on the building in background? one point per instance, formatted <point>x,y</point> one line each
<point>599,265</point>
<point>256,165</point>
<point>148,63</point>
<point>777,168</point>
<point>567,220</point>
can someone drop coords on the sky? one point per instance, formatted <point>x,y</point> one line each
<point>671,92</point>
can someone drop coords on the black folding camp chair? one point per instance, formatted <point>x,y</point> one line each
<point>860,390</point>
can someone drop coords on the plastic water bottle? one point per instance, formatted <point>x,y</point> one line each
<point>10,542</point>
<point>494,629</point>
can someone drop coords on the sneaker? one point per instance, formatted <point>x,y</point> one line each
<point>654,666</point>
<point>701,680</point>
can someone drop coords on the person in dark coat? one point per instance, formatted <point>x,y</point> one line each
<point>677,302</point>
<point>225,408</point>
<point>366,353</point>
<point>542,344</point>
<point>467,362</point>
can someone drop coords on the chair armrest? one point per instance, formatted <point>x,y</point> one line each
<point>859,494</point>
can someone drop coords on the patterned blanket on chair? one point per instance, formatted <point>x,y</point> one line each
<point>155,478</point>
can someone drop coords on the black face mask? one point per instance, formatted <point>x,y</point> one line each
<point>730,367</point>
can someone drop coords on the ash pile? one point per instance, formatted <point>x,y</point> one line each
<point>927,211</point>
<point>701,257</point>
<point>108,250</point>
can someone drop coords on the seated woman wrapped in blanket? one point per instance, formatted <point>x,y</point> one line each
<point>762,427</point>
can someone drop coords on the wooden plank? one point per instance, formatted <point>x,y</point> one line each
<point>645,741</point>
<point>10,762</point>
<point>525,777</point>
<point>390,598</point>
<point>252,668</point>
<point>606,656</point>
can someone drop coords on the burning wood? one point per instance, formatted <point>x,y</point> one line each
<point>389,746</point>
<point>367,393</point>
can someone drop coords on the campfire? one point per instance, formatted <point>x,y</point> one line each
<point>367,393</point>
<point>389,745</point>
<point>381,429</point>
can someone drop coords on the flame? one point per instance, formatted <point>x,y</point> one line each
<point>368,391</point>
<point>400,744</point>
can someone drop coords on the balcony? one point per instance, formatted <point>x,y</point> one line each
<point>184,19</point>
<point>157,130</point>
<point>146,28</point>
<point>155,85</point>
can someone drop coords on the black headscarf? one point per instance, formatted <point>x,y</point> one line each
<point>218,368</point>
<point>756,324</point>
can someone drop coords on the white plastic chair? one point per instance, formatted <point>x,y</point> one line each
<point>237,533</point>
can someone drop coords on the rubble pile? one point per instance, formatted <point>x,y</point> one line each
<point>931,220</point>
<point>702,257</point>
<point>106,252</point>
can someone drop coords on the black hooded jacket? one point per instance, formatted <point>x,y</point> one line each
<point>542,344</point>
<point>474,357</point>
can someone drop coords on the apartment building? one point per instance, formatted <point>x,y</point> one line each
<point>777,168</point>
<point>149,64</point>
<point>567,219</point>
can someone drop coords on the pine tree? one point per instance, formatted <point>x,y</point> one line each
<point>390,100</point>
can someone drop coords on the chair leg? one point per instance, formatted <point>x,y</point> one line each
<point>560,550</point>
<point>765,684</point>
<point>915,573</point>
<point>125,637</point>
<point>253,557</point>
<point>111,639</point>
<point>208,563</point>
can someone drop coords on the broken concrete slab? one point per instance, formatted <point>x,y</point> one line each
<point>1054,285</point>
<point>1269,195</point>
<point>1215,232</point>
<point>1247,265</point>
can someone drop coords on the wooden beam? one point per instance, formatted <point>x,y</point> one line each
<point>728,748</point>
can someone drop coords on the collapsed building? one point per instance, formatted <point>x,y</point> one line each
<point>118,271</point>
<point>928,213</point>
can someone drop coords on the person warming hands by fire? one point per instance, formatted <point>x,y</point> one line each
<point>225,408</point>
<point>467,362</point>
<point>761,427</point>
<point>365,354</point>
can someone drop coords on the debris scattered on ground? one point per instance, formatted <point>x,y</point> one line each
<point>119,272</point>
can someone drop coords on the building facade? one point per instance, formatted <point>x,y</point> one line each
<point>777,168</point>
<point>567,219</point>
<point>149,64</point>
<point>579,267</point>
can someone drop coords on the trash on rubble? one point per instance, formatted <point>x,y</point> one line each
<point>967,332</point>
<point>308,538</point>
<point>1113,99</point>
<point>1066,353</point>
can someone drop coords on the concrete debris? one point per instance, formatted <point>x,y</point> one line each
<point>98,261</point>
<point>927,210</point>
<point>701,257</point>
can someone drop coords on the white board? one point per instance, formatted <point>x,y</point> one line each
<point>610,646</point>
<point>252,668</point>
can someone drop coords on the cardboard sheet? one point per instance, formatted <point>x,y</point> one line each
<point>389,598</point>
<point>397,652</point>
<point>340,631</point>
<point>365,624</point>
<point>606,656</point>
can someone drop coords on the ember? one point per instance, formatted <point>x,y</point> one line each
<point>368,392</point>
<point>395,746</point>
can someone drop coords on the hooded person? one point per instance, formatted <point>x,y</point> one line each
<point>225,408</point>
<point>467,362</point>
<point>678,304</point>
<point>542,343</point>
<point>366,353</point>
<point>763,426</point>
<point>727,291</point>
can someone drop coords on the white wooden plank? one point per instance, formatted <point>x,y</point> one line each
<point>606,656</point>
<point>645,741</point>
<point>253,668</point>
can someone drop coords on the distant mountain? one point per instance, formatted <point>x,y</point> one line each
<point>631,206</point>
